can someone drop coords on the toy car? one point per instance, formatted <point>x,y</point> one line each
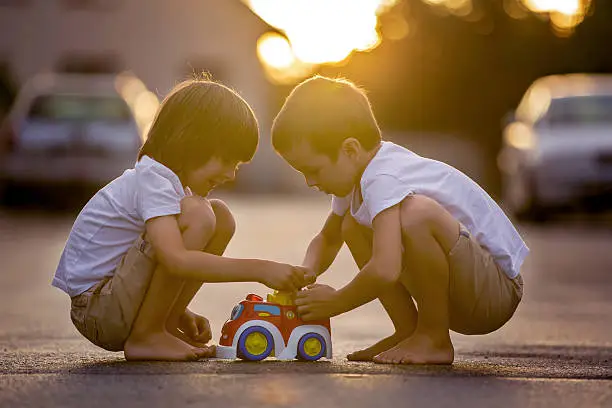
<point>258,329</point>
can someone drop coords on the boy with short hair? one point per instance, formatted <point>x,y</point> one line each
<point>142,246</point>
<point>417,229</point>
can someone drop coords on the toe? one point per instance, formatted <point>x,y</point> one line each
<point>389,358</point>
<point>193,356</point>
<point>357,356</point>
<point>199,353</point>
<point>212,351</point>
<point>205,351</point>
<point>380,358</point>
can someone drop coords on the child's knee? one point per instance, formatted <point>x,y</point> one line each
<point>225,222</point>
<point>417,217</point>
<point>197,214</point>
<point>425,222</point>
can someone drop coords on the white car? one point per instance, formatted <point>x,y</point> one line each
<point>67,129</point>
<point>557,152</point>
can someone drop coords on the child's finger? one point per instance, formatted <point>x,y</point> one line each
<point>306,316</point>
<point>287,285</point>
<point>203,325</point>
<point>204,335</point>
<point>299,272</point>
<point>296,282</point>
<point>203,329</point>
<point>300,300</point>
<point>192,329</point>
<point>207,333</point>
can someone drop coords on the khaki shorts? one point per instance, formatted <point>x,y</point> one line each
<point>105,313</point>
<point>482,297</point>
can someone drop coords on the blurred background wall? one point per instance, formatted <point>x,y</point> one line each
<point>442,74</point>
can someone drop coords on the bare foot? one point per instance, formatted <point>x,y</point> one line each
<point>162,346</point>
<point>383,345</point>
<point>182,336</point>
<point>419,349</point>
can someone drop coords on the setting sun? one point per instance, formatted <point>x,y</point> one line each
<point>568,7</point>
<point>565,15</point>
<point>317,32</point>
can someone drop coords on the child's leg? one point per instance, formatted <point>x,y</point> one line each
<point>225,226</point>
<point>149,338</point>
<point>397,301</point>
<point>429,232</point>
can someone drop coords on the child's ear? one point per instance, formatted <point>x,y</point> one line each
<point>351,147</point>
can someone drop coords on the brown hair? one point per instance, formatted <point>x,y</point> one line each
<point>325,112</point>
<point>200,119</point>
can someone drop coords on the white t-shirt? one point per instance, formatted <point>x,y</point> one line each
<point>112,220</point>
<point>396,172</point>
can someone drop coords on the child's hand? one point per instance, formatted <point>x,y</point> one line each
<point>310,276</point>
<point>317,302</point>
<point>196,327</point>
<point>284,277</point>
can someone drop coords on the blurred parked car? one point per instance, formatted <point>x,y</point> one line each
<point>557,150</point>
<point>74,129</point>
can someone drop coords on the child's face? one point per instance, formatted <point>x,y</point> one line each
<point>332,177</point>
<point>215,172</point>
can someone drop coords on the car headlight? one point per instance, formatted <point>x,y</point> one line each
<point>520,136</point>
<point>236,311</point>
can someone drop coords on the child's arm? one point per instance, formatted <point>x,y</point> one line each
<point>165,237</point>
<point>324,247</point>
<point>380,272</point>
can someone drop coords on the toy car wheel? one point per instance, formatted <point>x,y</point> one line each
<point>311,347</point>
<point>255,343</point>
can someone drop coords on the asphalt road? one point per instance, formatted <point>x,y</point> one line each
<point>556,351</point>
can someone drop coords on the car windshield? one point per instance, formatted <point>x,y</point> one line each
<point>580,110</point>
<point>79,108</point>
